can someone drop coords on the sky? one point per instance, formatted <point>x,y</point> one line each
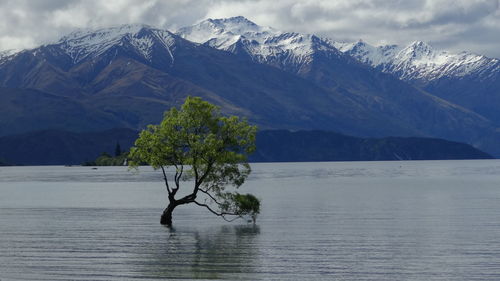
<point>456,25</point>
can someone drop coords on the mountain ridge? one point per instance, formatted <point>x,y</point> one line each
<point>318,60</point>
<point>127,76</point>
<point>467,79</point>
<point>419,61</point>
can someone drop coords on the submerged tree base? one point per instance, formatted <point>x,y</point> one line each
<point>166,217</point>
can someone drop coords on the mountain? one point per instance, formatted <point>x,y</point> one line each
<point>467,79</point>
<point>287,50</point>
<point>7,53</point>
<point>421,63</point>
<point>109,70</point>
<point>319,60</point>
<point>26,110</point>
<point>286,146</point>
<point>127,76</point>
<point>55,147</point>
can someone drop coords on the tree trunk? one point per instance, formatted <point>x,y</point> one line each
<point>166,217</point>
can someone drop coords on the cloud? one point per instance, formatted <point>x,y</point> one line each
<point>453,24</point>
<point>26,23</point>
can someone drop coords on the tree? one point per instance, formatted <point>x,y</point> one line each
<point>118,149</point>
<point>199,146</point>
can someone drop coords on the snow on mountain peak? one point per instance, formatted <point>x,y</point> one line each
<point>263,44</point>
<point>420,45</point>
<point>7,53</point>
<point>92,43</point>
<point>226,31</point>
<point>419,52</point>
<point>418,60</point>
<point>366,53</point>
<point>235,25</point>
<point>99,34</point>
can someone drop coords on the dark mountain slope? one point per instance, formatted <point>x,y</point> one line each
<point>392,98</point>
<point>466,79</point>
<point>479,95</point>
<point>24,110</point>
<point>286,146</point>
<point>54,147</point>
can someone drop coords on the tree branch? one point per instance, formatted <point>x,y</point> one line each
<point>202,178</point>
<point>178,176</point>
<point>222,214</point>
<point>166,180</point>
<point>210,195</point>
<point>195,169</point>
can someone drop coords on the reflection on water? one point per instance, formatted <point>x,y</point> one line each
<point>224,252</point>
<point>105,244</point>
<point>422,220</point>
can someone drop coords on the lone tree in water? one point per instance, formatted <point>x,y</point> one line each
<point>197,145</point>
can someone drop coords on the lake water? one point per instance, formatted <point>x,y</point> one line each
<point>421,220</point>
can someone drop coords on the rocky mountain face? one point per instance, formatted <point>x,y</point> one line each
<point>127,76</point>
<point>467,79</point>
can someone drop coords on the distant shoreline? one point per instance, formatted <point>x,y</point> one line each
<point>54,147</point>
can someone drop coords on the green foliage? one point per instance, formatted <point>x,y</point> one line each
<point>203,145</point>
<point>241,204</point>
<point>107,160</point>
<point>195,135</point>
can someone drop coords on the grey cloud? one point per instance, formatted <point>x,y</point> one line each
<point>453,12</point>
<point>456,24</point>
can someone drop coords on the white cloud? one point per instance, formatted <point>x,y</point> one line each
<point>454,24</point>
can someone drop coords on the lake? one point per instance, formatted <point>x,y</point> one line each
<point>408,220</point>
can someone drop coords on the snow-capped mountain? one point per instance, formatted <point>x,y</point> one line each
<point>263,44</point>
<point>142,41</point>
<point>320,61</point>
<point>79,58</point>
<point>85,44</point>
<point>226,32</point>
<point>469,80</point>
<point>7,53</point>
<point>420,62</point>
<point>416,62</point>
<point>127,76</point>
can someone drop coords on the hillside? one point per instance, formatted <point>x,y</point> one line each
<point>61,147</point>
<point>467,79</point>
<point>286,146</point>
